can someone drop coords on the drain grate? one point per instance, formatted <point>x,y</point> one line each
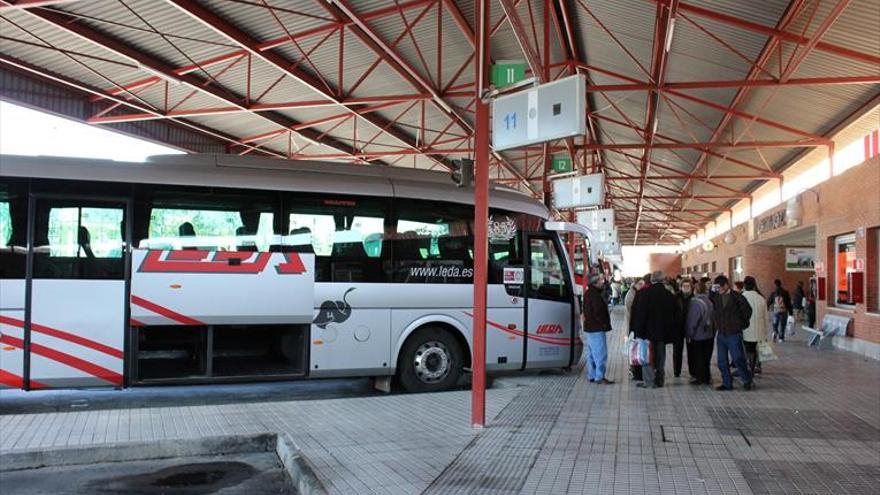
<point>702,435</point>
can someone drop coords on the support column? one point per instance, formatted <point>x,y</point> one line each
<point>481,216</point>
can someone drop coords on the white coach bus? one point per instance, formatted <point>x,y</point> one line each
<point>188,269</point>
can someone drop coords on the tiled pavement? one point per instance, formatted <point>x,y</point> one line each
<point>811,427</point>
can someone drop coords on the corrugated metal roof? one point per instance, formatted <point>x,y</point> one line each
<point>697,53</point>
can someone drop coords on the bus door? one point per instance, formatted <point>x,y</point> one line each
<point>77,310</point>
<point>548,310</point>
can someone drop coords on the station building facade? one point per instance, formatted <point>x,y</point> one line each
<point>830,238</point>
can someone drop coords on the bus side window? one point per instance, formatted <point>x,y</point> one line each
<point>78,240</point>
<point>547,276</point>
<point>13,228</point>
<point>433,242</point>
<point>207,219</point>
<point>346,234</point>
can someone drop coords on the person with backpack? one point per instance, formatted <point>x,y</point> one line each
<point>655,322</point>
<point>682,298</point>
<point>597,322</point>
<point>779,304</point>
<point>700,336</point>
<point>730,316</point>
<point>757,329</point>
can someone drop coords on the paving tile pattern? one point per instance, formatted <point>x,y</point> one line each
<point>499,460</point>
<point>810,478</point>
<point>812,426</point>
<point>394,444</point>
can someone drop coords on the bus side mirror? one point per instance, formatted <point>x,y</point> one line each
<point>463,172</point>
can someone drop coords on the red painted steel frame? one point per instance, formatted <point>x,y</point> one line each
<point>481,216</point>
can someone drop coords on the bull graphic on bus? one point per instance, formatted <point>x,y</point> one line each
<point>334,311</point>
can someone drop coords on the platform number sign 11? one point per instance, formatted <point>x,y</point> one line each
<point>507,72</point>
<point>510,121</point>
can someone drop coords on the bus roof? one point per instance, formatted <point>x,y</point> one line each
<point>269,174</point>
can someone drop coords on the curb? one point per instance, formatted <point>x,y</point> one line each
<point>300,470</point>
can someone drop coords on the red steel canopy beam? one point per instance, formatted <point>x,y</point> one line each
<point>239,37</point>
<point>254,107</point>
<point>119,48</point>
<point>30,4</point>
<point>402,67</point>
<point>64,81</point>
<point>807,143</point>
<point>736,83</point>
<point>778,33</point>
<point>663,31</point>
<point>533,58</point>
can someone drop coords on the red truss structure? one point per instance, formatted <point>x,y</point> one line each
<point>691,104</point>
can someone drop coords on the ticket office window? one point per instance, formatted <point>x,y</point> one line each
<point>844,265</point>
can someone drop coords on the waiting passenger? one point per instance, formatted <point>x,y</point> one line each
<point>597,322</point>
<point>700,335</point>
<point>731,315</point>
<point>655,321</point>
<point>757,329</point>
<point>630,304</point>
<point>779,303</point>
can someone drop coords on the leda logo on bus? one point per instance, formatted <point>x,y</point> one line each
<point>545,328</point>
<point>203,261</point>
<point>501,229</point>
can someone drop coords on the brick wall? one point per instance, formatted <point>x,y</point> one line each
<point>845,204</point>
<point>668,263</point>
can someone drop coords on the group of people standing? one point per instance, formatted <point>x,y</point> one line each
<point>702,316</point>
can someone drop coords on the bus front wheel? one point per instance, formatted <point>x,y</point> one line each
<point>430,361</point>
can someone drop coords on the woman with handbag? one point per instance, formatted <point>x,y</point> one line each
<point>758,323</point>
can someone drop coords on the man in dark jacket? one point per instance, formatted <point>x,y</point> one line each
<point>779,304</point>
<point>683,294</point>
<point>730,316</point>
<point>597,322</point>
<point>655,321</point>
<point>798,302</point>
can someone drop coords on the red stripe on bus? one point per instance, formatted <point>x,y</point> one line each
<point>195,262</point>
<point>167,313</point>
<point>61,334</point>
<point>187,255</point>
<point>560,341</point>
<point>66,359</point>
<point>293,265</point>
<point>15,381</point>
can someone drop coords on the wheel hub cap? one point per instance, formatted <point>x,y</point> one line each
<point>432,362</point>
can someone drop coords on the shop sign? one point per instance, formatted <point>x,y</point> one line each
<point>771,222</point>
<point>800,259</point>
<point>859,264</point>
<point>820,268</point>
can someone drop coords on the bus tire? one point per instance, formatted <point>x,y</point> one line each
<point>431,360</point>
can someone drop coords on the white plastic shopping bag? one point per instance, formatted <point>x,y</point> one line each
<point>765,352</point>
